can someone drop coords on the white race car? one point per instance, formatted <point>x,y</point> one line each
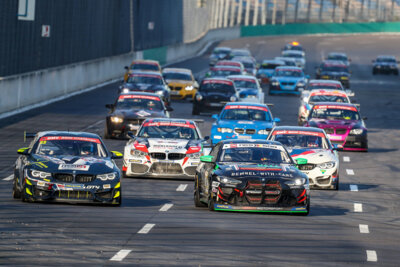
<point>311,148</point>
<point>298,56</point>
<point>163,147</point>
<point>248,87</point>
<point>308,98</point>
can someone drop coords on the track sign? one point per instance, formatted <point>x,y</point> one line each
<point>150,25</point>
<point>26,9</point>
<point>45,30</point>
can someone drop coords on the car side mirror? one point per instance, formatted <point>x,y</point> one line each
<point>23,151</point>
<point>208,159</point>
<point>130,134</point>
<point>116,155</point>
<point>109,106</point>
<point>169,108</point>
<point>214,116</point>
<point>126,67</point>
<point>277,120</point>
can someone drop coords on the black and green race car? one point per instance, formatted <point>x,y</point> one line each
<point>253,176</point>
<point>67,167</point>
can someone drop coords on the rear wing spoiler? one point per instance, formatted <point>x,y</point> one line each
<point>28,135</point>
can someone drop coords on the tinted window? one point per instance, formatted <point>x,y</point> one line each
<point>245,114</point>
<point>145,79</point>
<point>217,87</point>
<point>177,76</point>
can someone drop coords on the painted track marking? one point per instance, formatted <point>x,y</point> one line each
<point>166,207</point>
<point>146,228</point>
<point>353,188</point>
<point>8,178</point>
<point>364,229</point>
<point>120,255</point>
<point>346,159</point>
<point>371,255</point>
<point>358,207</point>
<point>349,172</point>
<point>181,187</point>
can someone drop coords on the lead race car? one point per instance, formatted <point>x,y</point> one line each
<point>312,146</point>
<point>251,175</point>
<point>68,167</point>
<point>168,148</point>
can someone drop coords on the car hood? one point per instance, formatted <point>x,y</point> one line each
<point>313,156</point>
<point>68,164</point>
<point>138,113</point>
<point>288,79</point>
<point>179,82</point>
<point>347,124</point>
<point>258,172</point>
<point>223,95</point>
<point>258,125</point>
<point>143,87</point>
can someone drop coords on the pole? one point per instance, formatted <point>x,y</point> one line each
<point>309,11</point>
<point>334,11</point>
<point>247,15</point>
<point>284,12</point>
<point>321,7</point>
<point>392,11</point>
<point>226,6</point>
<point>255,13</point>
<point>240,13</point>
<point>263,15</point>
<point>296,10</point>
<point>232,17</point>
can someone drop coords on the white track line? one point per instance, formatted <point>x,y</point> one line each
<point>364,229</point>
<point>120,255</point>
<point>358,207</point>
<point>181,187</point>
<point>349,172</point>
<point>8,178</point>
<point>353,188</point>
<point>371,255</point>
<point>166,207</point>
<point>145,229</point>
<point>346,159</point>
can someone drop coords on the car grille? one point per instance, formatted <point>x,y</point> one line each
<point>84,178</point>
<point>190,170</point>
<point>69,194</point>
<point>341,131</point>
<point>254,190</point>
<point>176,156</point>
<point>287,83</point>
<point>64,177</point>
<point>138,168</point>
<point>250,131</point>
<point>239,131</point>
<point>176,88</point>
<point>166,168</point>
<point>158,155</point>
<point>306,167</point>
<point>272,192</point>
<point>329,130</point>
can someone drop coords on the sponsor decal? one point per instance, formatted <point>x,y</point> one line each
<point>306,152</point>
<point>259,169</point>
<point>106,186</point>
<point>246,107</point>
<point>287,132</point>
<point>135,161</point>
<point>146,75</point>
<point>244,79</point>
<point>335,107</point>
<point>261,173</point>
<point>227,146</point>
<point>155,98</point>
<point>328,93</point>
<point>193,149</point>
<point>78,167</point>
<point>39,164</point>
<point>167,123</point>
<point>41,183</point>
<point>218,81</point>
<point>74,138</point>
<point>109,164</point>
<point>143,113</point>
<point>326,84</point>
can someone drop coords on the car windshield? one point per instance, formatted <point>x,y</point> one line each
<point>269,66</point>
<point>301,141</point>
<point>335,114</point>
<point>145,79</point>
<point>218,51</point>
<point>217,87</point>
<point>330,68</point>
<point>295,55</point>
<point>143,66</point>
<point>177,76</point>
<point>323,86</point>
<point>168,130</point>
<point>288,73</point>
<point>337,57</point>
<point>328,98</point>
<point>251,84</point>
<point>152,103</point>
<point>245,114</point>
<point>386,59</point>
<point>254,155</point>
<point>70,146</point>
<point>248,65</point>
<point>224,73</point>
<point>240,53</point>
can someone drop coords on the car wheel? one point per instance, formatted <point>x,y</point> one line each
<point>106,133</point>
<point>211,203</point>
<point>336,186</point>
<point>197,202</point>
<point>195,111</point>
<point>16,192</point>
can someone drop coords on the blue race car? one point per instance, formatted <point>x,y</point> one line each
<point>242,120</point>
<point>288,80</point>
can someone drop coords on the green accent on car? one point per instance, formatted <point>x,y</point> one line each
<point>207,158</point>
<point>323,171</point>
<point>118,154</point>
<point>301,161</point>
<point>22,150</point>
<point>216,167</point>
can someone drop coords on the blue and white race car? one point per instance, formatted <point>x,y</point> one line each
<point>242,121</point>
<point>248,88</point>
<point>288,80</point>
<point>267,68</point>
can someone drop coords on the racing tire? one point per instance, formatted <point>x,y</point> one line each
<point>195,111</point>
<point>106,134</point>
<point>197,202</point>
<point>211,203</point>
<point>16,193</point>
<point>336,186</point>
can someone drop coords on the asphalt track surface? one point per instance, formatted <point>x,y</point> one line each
<point>355,226</point>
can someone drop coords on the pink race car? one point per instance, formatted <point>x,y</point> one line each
<point>342,123</point>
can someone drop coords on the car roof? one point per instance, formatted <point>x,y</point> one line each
<point>337,54</point>
<point>298,128</point>
<point>288,67</point>
<point>139,93</point>
<point>250,141</point>
<point>386,56</point>
<point>139,72</point>
<point>335,104</point>
<point>146,61</point>
<point>246,104</point>
<point>285,59</point>
<point>177,70</point>
<point>293,52</point>
<point>226,67</point>
<point>334,63</point>
<point>328,90</point>
<point>223,48</point>
<point>273,61</point>
<point>67,133</point>
<point>217,79</point>
<point>176,120</point>
<point>324,81</point>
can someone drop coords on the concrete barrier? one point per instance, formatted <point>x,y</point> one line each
<point>19,93</point>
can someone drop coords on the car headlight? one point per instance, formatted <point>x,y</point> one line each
<point>263,132</point>
<point>327,165</point>
<point>199,97</point>
<point>39,174</point>
<point>116,119</point>
<point>224,130</point>
<point>138,153</point>
<point>297,181</point>
<point>356,131</point>
<point>275,83</point>
<point>160,92</point>
<point>189,88</point>
<point>233,99</point>
<point>107,176</point>
<point>194,155</point>
<point>125,90</point>
<point>227,180</point>
<point>344,78</point>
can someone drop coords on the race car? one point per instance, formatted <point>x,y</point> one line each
<point>293,46</point>
<point>287,80</point>
<point>385,64</point>
<point>67,167</point>
<point>252,176</point>
<point>239,53</point>
<point>326,84</point>
<point>267,68</point>
<point>231,63</point>
<point>311,145</point>
<point>298,56</point>
<point>339,56</point>
<point>142,65</point>
<point>167,148</point>
<point>343,124</point>
<point>242,120</point>
<point>219,53</point>
<point>248,88</point>
<point>213,94</point>
<point>150,82</point>
<point>309,98</point>
<point>181,82</point>
<point>129,112</point>
<point>223,71</point>
<point>334,70</point>
<point>249,64</point>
